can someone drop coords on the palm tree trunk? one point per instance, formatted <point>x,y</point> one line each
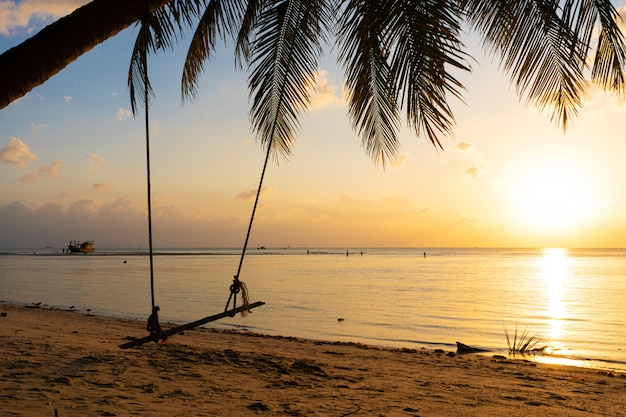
<point>35,60</point>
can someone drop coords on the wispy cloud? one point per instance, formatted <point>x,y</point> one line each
<point>67,99</point>
<point>155,128</point>
<point>101,186</point>
<point>471,153</point>
<point>66,194</point>
<point>124,114</point>
<point>95,162</point>
<point>31,15</point>
<point>36,127</point>
<point>464,146</point>
<point>52,170</point>
<point>474,171</point>
<point>251,194</point>
<point>400,160</point>
<point>16,152</point>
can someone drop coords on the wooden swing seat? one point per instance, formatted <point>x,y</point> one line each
<point>192,325</point>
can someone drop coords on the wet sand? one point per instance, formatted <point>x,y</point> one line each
<point>68,363</point>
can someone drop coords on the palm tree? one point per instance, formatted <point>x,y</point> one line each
<point>35,60</point>
<point>400,56</point>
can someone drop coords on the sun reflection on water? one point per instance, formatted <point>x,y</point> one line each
<point>554,270</point>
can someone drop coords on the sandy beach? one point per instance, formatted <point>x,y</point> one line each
<point>62,363</point>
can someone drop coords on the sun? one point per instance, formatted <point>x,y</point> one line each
<point>553,195</point>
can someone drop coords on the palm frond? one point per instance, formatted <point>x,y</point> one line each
<point>220,19</point>
<point>284,63</point>
<point>156,31</point>
<point>185,12</point>
<point>372,97</point>
<point>426,45</point>
<point>138,82</point>
<point>242,44</point>
<point>610,58</point>
<point>538,48</point>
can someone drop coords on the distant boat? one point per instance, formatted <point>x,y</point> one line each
<point>81,247</point>
<point>260,247</point>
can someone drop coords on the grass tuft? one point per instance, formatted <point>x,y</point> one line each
<point>521,343</point>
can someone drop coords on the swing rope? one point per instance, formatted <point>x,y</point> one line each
<point>237,285</point>
<point>149,186</point>
<point>153,326</point>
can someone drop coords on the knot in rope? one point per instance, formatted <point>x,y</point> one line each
<point>236,287</point>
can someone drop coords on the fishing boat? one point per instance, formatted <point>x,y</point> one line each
<point>81,247</point>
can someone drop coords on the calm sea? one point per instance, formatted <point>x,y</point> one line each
<point>573,300</point>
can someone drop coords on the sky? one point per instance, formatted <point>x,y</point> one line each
<point>73,162</point>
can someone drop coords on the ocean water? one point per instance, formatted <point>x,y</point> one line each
<point>574,301</point>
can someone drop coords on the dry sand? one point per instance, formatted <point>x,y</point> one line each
<point>67,363</point>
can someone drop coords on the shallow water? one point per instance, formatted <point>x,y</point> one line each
<point>574,300</point>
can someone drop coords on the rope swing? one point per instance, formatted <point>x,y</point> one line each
<point>140,55</point>
<point>237,285</point>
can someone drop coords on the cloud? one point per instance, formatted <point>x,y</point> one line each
<point>155,128</point>
<point>36,127</point>
<point>115,223</point>
<point>101,186</point>
<point>251,194</point>
<point>345,222</point>
<point>118,206</point>
<point>65,194</point>
<point>95,162</point>
<point>52,170</point>
<point>124,114</point>
<point>16,152</point>
<point>400,160</point>
<point>83,206</point>
<point>474,172</point>
<point>472,154</point>
<point>31,15</point>
<point>324,94</point>
<point>464,146</point>
<point>67,98</point>
<point>387,221</point>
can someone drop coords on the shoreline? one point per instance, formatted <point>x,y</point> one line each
<point>68,362</point>
<point>594,364</point>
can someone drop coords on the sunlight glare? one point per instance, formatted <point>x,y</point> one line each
<point>553,195</point>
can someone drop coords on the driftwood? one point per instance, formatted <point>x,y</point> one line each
<point>192,325</point>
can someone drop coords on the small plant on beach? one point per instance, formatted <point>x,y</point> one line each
<point>521,343</point>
